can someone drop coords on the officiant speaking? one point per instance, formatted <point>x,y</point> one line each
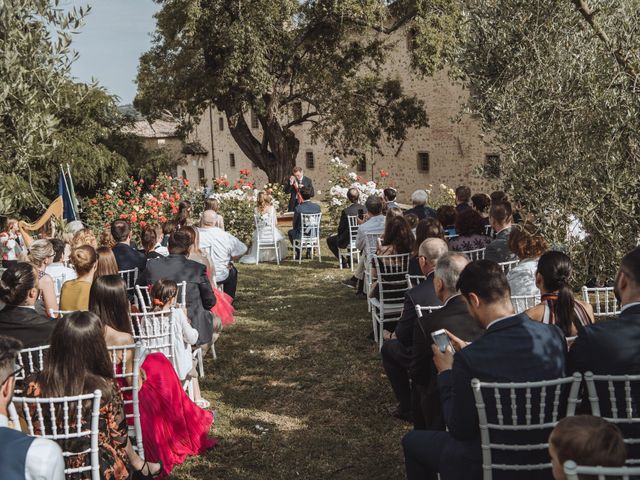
<point>296,182</point>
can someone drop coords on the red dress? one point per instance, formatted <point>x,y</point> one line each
<point>173,427</point>
<point>223,307</point>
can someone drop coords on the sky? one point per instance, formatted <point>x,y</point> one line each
<point>115,34</point>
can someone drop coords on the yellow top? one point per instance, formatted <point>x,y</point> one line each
<point>75,295</point>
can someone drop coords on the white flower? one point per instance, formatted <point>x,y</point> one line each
<point>110,192</point>
<point>353,176</point>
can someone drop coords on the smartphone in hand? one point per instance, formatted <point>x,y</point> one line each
<point>441,339</point>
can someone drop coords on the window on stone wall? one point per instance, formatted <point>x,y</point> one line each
<point>310,161</point>
<point>492,165</point>
<point>423,162</point>
<point>220,123</point>
<point>361,166</point>
<point>232,160</point>
<point>202,177</point>
<point>254,119</point>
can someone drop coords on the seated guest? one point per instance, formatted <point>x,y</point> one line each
<point>21,456</point>
<point>106,239</point>
<point>87,370</point>
<point>127,257</point>
<point>75,293</point>
<point>500,218</point>
<point>40,255</point>
<point>84,236</point>
<point>588,441</point>
<point>512,349</point>
<point>463,194</point>
<point>58,269</point>
<point>173,427</point>
<point>213,205</point>
<point>162,250</point>
<point>223,249</point>
<point>470,230</point>
<point>559,307</point>
<point>455,318</point>
<point>528,244</point>
<point>397,351</point>
<point>481,203</point>
<point>427,228</point>
<point>199,294</point>
<point>150,242</point>
<point>389,196</point>
<point>306,207</point>
<point>18,318</point>
<point>501,197</point>
<point>419,200</point>
<point>411,218</point>
<point>183,217</point>
<point>168,228</point>
<point>342,239</point>
<point>106,262</point>
<point>446,215</point>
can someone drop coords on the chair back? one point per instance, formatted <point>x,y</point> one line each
<point>310,227</point>
<point>508,266</point>
<point>448,236</point>
<point>265,231</point>
<point>58,281</point>
<point>488,230</point>
<point>392,273</point>
<point>415,280</point>
<point>64,419</point>
<point>516,420</point>
<point>32,360</point>
<point>616,398</point>
<point>53,313</point>
<point>425,310</point>
<point>524,302</point>
<point>603,300</point>
<point>145,301</point>
<point>154,330</point>
<point>122,357</point>
<point>353,229</point>
<point>576,472</point>
<point>372,240</point>
<point>130,277</point>
<point>477,254</point>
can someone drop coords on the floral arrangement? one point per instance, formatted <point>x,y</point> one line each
<point>446,196</point>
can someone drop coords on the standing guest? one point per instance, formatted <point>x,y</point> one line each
<point>224,249</point>
<point>419,200</point>
<point>558,306</point>
<point>528,244</point>
<point>168,228</point>
<point>214,205</point>
<point>41,255</point>
<point>343,238</point>
<point>199,293</point>
<point>11,242</point>
<point>446,215</point>
<point>397,351</point>
<point>512,349</point>
<point>481,203</point>
<point>389,195</point>
<point>183,217</point>
<point>498,250</point>
<point>18,318</point>
<point>84,236</point>
<point>470,230</point>
<point>297,181</point>
<point>463,195</point>
<point>58,268</point>
<point>21,456</point>
<point>127,257</point>
<point>150,242</point>
<point>106,264</point>
<point>87,370</point>
<point>75,293</point>
<point>588,441</point>
<point>305,207</point>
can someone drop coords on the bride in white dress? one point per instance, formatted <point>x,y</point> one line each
<point>265,214</point>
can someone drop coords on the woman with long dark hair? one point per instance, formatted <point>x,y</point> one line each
<point>173,427</point>
<point>397,237</point>
<point>559,307</point>
<point>184,213</point>
<point>88,369</point>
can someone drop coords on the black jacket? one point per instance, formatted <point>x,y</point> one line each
<point>422,212</point>
<point>129,258</point>
<point>423,295</point>
<point>343,227</point>
<point>288,188</point>
<point>200,296</point>
<point>25,324</point>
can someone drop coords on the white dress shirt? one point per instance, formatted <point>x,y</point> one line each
<point>222,247</point>
<point>44,458</point>
<point>58,270</point>
<point>373,225</point>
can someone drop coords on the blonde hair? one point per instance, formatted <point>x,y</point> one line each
<point>83,237</point>
<point>39,251</point>
<point>263,201</point>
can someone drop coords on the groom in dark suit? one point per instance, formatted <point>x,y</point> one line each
<point>296,181</point>
<point>342,239</point>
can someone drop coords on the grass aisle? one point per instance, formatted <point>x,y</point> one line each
<point>298,387</point>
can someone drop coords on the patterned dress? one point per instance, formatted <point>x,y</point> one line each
<point>469,242</point>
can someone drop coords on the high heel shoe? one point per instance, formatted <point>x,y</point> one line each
<point>138,475</point>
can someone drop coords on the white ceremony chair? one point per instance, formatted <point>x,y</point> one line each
<point>53,313</point>
<point>449,237</point>
<point>521,409</point>
<point>58,281</point>
<point>488,230</point>
<point>524,302</point>
<point>266,237</point>
<point>424,310</point>
<point>392,273</point>
<point>129,382</point>
<point>309,235</point>
<point>351,251</point>
<point>31,360</point>
<point>415,280</point>
<point>508,266</point>
<point>130,277</point>
<point>576,472</point>
<point>371,243</point>
<point>616,398</point>
<point>603,300</point>
<point>144,296</point>
<point>57,423</point>
<point>474,255</point>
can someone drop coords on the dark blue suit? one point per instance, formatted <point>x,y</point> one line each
<point>422,212</point>
<point>129,258</point>
<point>515,349</point>
<point>305,207</point>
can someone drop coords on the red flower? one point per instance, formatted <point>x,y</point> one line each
<point>128,194</point>
<point>120,203</point>
<point>107,197</point>
<point>141,181</point>
<point>94,201</point>
<point>123,215</point>
<point>163,219</point>
<point>143,224</point>
<point>135,183</point>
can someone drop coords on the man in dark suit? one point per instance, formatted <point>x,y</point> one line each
<point>397,351</point>
<point>419,200</point>
<point>454,317</point>
<point>500,218</point>
<point>306,207</point>
<point>199,292</point>
<point>127,257</point>
<point>296,181</point>
<point>343,238</point>
<point>463,195</point>
<point>512,349</point>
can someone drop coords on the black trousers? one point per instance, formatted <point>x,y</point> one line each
<point>332,242</point>
<point>231,282</point>
<point>396,360</point>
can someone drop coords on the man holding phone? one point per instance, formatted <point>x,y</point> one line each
<point>343,238</point>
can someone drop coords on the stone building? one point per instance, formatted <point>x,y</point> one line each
<point>449,151</point>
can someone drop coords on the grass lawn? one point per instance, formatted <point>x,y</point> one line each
<point>298,387</point>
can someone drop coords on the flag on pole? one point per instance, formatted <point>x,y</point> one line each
<point>68,196</point>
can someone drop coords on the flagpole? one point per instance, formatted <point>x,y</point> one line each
<point>74,199</point>
<point>64,178</point>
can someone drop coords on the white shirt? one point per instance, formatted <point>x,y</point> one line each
<point>221,246</point>
<point>373,225</point>
<point>184,336</point>
<point>58,270</point>
<point>44,458</point>
<point>164,251</point>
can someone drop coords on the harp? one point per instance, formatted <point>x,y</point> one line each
<point>55,210</point>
